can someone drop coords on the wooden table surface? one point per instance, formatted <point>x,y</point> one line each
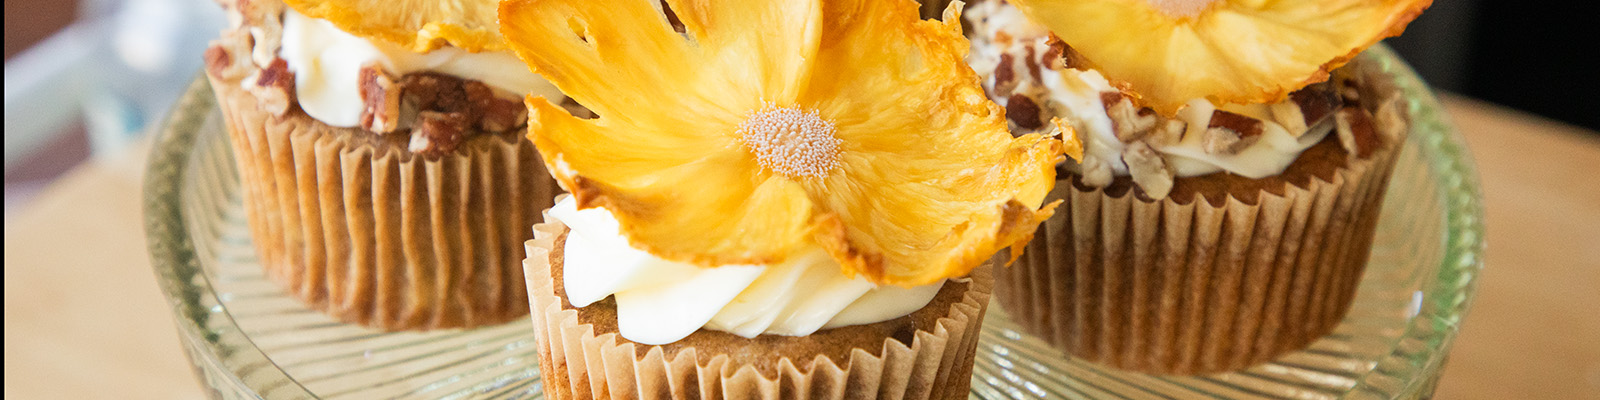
<point>85,320</point>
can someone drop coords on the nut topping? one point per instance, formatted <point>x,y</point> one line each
<point>273,87</point>
<point>1128,122</point>
<point>495,113</point>
<point>380,99</point>
<point>1005,76</point>
<point>1169,133</point>
<point>1033,65</point>
<point>1070,58</point>
<point>1306,108</point>
<point>1230,133</point>
<point>1024,112</point>
<point>1148,170</point>
<point>227,57</point>
<point>1356,131</point>
<point>1391,118</point>
<point>437,133</point>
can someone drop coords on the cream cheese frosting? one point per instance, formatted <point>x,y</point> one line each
<point>327,64</point>
<point>660,301</point>
<point>1075,96</point>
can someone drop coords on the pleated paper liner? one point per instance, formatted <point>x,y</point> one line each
<point>926,355</point>
<point>356,226</point>
<point>1199,286</point>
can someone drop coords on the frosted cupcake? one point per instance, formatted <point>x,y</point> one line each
<point>786,199</point>
<point>1219,210</point>
<point>385,179</point>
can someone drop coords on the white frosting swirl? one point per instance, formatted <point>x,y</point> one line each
<point>1075,96</point>
<point>660,301</point>
<point>327,62</point>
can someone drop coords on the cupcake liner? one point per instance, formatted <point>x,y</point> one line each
<point>577,363</point>
<point>1173,288</point>
<point>358,227</point>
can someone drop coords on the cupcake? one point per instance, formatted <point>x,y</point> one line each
<point>385,179</point>
<point>1225,174</point>
<point>783,199</point>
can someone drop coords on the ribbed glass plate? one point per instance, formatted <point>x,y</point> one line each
<point>248,339</point>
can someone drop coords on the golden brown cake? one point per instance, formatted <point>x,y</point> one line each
<point>1208,238</point>
<point>408,209</point>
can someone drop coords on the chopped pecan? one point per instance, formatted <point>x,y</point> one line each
<point>1306,108</point>
<point>1148,170</point>
<point>437,133</point>
<point>217,59</point>
<point>430,91</point>
<point>228,57</point>
<point>1391,118</point>
<point>273,87</point>
<point>1002,38</point>
<point>1070,58</point>
<point>263,21</point>
<point>494,113</point>
<point>1128,123</point>
<point>1052,55</point>
<point>1229,133</point>
<point>380,99</point>
<point>1005,76</point>
<point>267,39</point>
<point>1348,86</point>
<point>1033,65</point>
<point>1096,172</point>
<point>1022,111</point>
<point>487,109</point>
<point>1356,131</point>
<point>1168,133</point>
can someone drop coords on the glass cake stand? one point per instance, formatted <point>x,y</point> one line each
<point>248,339</point>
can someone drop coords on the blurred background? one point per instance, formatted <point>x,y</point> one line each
<point>87,77</point>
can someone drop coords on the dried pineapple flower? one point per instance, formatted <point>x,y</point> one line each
<point>1167,52</point>
<point>770,126</point>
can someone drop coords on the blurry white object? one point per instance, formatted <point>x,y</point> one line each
<point>118,68</point>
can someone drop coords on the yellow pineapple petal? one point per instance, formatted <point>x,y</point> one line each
<point>417,25</point>
<point>616,56</point>
<point>672,197</point>
<point>1167,52</point>
<point>933,182</point>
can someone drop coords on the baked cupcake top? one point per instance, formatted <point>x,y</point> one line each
<point>848,135</point>
<point>433,73</point>
<point>1046,85</point>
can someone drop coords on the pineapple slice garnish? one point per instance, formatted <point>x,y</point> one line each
<point>418,25</point>
<point>772,125</point>
<point>1167,52</point>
